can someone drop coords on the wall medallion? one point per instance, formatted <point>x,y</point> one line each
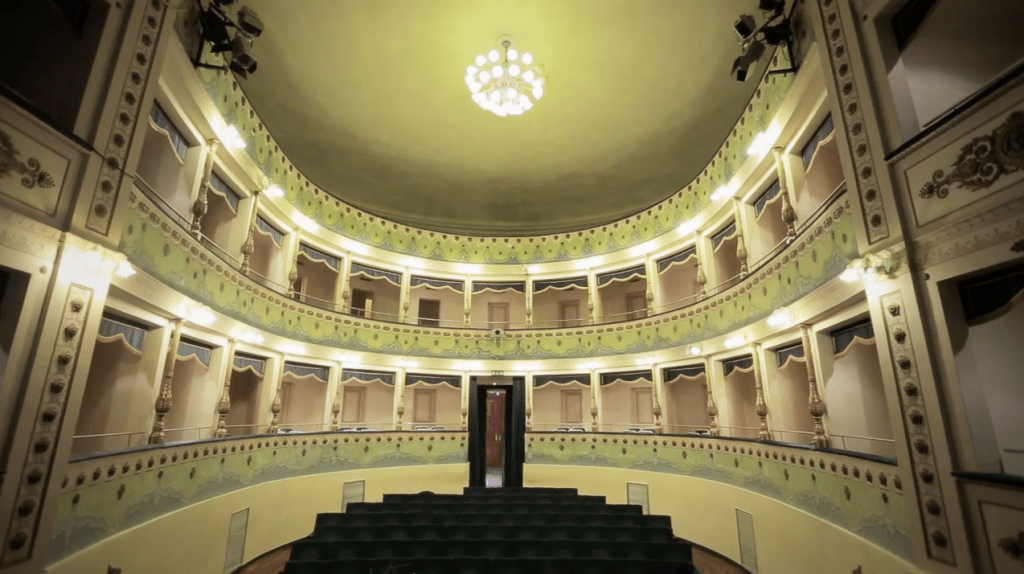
<point>983,160</point>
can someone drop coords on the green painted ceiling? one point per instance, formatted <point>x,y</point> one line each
<point>366,97</point>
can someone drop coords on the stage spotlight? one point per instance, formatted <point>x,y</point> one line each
<point>778,34</point>
<point>243,62</point>
<point>249,22</point>
<point>215,31</point>
<point>751,54</point>
<point>773,6</point>
<point>745,26</point>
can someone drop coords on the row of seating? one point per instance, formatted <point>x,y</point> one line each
<point>441,532</point>
<point>491,566</point>
<point>488,518</point>
<point>500,530</point>
<point>319,550</point>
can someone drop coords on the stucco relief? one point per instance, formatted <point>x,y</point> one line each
<point>108,494</point>
<point>854,494</point>
<point>170,254</point>
<point>30,172</point>
<point>984,161</point>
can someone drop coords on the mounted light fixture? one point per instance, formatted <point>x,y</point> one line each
<point>781,317</point>
<point>292,349</point>
<point>881,263</point>
<point>199,314</point>
<point>305,223</point>
<point>734,341</point>
<point>214,22</point>
<point>124,270</point>
<point>229,136</point>
<point>776,31</point>
<point>251,337</point>
<point>504,81</point>
<point>273,191</point>
<point>694,350</point>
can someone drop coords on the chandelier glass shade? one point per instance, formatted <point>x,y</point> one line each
<point>505,81</point>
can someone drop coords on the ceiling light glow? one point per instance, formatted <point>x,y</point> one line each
<point>734,341</point>
<point>273,191</point>
<point>505,89</point>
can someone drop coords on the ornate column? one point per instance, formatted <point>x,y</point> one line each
<point>275,406</point>
<point>529,305</point>
<point>336,406</point>
<point>529,401</point>
<point>343,290</point>
<point>225,397</point>
<point>202,201</point>
<point>163,400</point>
<point>400,391</point>
<point>653,295</point>
<point>467,302</point>
<point>250,245</point>
<point>404,294</point>
<point>761,406</point>
<point>699,248</point>
<point>788,213</point>
<point>595,389</point>
<point>656,394</point>
<point>814,403</point>
<point>464,410</point>
<point>741,246</point>
<point>712,408</point>
<point>593,298</point>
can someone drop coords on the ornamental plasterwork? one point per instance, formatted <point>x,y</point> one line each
<point>852,118</point>
<point>348,221</point>
<point>32,484</point>
<point>922,452</point>
<point>31,172</point>
<point>983,161</point>
<point>164,250</point>
<point>129,103</point>
<point>1002,223</point>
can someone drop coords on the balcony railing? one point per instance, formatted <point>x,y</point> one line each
<point>232,261</point>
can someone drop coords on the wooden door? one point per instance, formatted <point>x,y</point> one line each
<point>352,405</point>
<point>430,312</point>
<point>495,428</point>
<point>572,407</point>
<point>423,401</point>
<point>497,315</point>
<point>636,305</point>
<point>569,313</point>
<point>643,406</point>
<point>360,302</point>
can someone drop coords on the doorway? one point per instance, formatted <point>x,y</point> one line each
<point>497,426</point>
<point>568,313</point>
<point>430,312</point>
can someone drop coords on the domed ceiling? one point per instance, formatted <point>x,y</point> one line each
<point>367,98</point>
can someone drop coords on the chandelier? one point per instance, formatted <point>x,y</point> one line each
<point>504,81</point>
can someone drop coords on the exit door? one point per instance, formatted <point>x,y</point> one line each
<point>497,432</point>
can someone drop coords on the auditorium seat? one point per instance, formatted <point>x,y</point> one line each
<point>500,530</point>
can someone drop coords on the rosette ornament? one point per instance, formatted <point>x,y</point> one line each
<point>505,81</point>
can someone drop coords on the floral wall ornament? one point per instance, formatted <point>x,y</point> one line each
<point>983,161</point>
<point>32,174</point>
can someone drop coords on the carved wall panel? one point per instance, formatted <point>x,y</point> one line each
<point>48,420</point>
<point>853,121</point>
<point>918,433</point>
<point>987,160</point>
<point>126,117</point>
<point>30,172</point>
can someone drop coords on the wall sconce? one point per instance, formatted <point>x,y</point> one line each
<point>881,263</point>
<point>734,341</point>
<point>251,337</point>
<point>781,317</point>
<point>694,350</point>
<point>292,349</point>
<point>199,314</point>
<point>124,270</point>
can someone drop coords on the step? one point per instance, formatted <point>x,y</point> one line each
<point>492,566</point>
<point>565,532</point>
<point>461,507</point>
<point>505,499</point>
<point>386,518</point>
<point>516,491</point>
<point>320,550</point>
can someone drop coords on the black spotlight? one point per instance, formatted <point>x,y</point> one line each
<point>215,31</point>
<point>745,26</point>
<point>773,6</point>
<point>249,22</point>
<point>778,34</point>
<point>243,62</point>
<point>752,52</point>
